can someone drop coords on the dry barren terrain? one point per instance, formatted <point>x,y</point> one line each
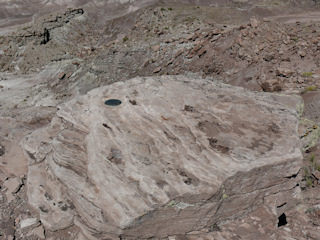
<point>213,132</point>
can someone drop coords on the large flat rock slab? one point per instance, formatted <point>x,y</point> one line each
<point>177,155</point>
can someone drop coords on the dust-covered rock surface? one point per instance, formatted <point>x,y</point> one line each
<point>224,165</point>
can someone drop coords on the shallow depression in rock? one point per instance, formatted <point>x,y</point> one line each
<point>113,102</point>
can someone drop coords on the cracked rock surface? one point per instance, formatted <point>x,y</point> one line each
<point>177,155</point>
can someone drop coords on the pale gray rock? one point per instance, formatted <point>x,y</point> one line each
<point>177,155</point>
<point>28,222</point>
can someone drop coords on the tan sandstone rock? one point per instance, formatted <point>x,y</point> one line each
<point>188,154</point>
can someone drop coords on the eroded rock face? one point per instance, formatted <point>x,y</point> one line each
<point>176,155</point>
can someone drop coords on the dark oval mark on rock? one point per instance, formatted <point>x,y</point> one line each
<point>112,102</point>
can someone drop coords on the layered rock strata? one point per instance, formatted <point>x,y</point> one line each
<point>177,155</point>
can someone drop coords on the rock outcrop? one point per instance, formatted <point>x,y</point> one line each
<point>176,155</point>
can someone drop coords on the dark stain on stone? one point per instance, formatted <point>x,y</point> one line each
<point>106,126</point>
<point>214,144</point>
<point>188,178</point>
<point>31,155</point>
<point>71,205</point>
<point>274,128</point>
<point>43,209</point>
<point>211,129</point>
<point>133,102</point>
<point>48,196</point>
<point>46,36</point>
<point>281,205</point>
<point>214,228</point>
<point>161,183</point>
<point>2,150</point>
<point>62,206</point>
<point>170,136</point>
<point>189,108</point>
<point>258,143</point>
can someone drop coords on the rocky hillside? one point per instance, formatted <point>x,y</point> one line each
<point>212,132</point>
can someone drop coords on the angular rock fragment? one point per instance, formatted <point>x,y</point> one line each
<point>61,75</point>
<point>271,86</point>
<point>284,72</point>
<point>38,231</point>
<point>254,22</point>
<point>156,70</point>
<point>28,222</point>
<point>160,168</point>
<point>13,186</point>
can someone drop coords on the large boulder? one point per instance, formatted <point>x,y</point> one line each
<point>176,155</point>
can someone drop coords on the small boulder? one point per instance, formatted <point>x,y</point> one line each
<point>202,52</point>
<point>284,72</point>
<point>254,22</point>
<point>156,70</point>
<point>194,51</point>
<point>146,63</point>
<point>29,222</point>
<point>69,74</point>
<point>302,53</point>
<point>61,75</point>
<point>189,37</point>
<point>271,86</point>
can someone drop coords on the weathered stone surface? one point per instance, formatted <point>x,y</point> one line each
<point>188,154</point>
<point>28,222</point>
<point>38,231</point>
<point>13,185</point>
